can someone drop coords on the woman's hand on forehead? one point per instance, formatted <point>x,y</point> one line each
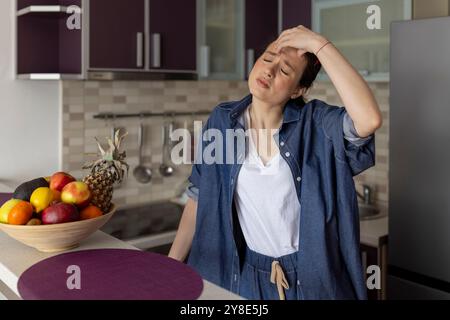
<point>300,38</point>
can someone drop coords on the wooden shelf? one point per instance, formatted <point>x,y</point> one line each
<point>49,76</point>
<point>42,9</point>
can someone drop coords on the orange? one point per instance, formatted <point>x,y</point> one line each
<point>90,212</point>
<point>56,195</point>
<point>21,213</point>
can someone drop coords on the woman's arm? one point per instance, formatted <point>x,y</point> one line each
<point>183,240</point>
<point>357,97</point>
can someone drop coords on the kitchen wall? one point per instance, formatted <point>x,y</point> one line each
<point>30,114</point>
<point>430,8</point>
<point>81,100</point>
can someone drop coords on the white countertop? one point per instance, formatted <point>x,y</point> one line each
<point>15,258</point>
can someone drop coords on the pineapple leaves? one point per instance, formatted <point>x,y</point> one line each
<point>112,161</point>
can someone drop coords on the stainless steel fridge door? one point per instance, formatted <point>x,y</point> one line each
<point>419,151</point>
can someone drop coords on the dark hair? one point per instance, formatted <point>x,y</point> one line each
<point>312,68</point>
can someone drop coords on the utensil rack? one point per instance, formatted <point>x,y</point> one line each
<point>112,115</point>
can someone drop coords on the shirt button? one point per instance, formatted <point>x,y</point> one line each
<point>282,143</point>
<point>287,154</point>
<point>235,277</point>
<point>299,179</point>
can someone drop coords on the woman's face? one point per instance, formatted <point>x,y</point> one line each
<point>275,77</point>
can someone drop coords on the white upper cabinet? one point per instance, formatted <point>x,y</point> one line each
<point>352,26</point>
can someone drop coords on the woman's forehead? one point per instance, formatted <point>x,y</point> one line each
<point>289,54</point>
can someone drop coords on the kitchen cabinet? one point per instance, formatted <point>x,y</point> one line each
<point>116,34</point>
<point>153,39</point>
<point>294,13</point>
<point>261,27</point>
<point>233,34</point>
<point>151,34</point>
<point>346,23</point>
<point>373,248</point>
<point>46,48</point>
<point>369,257</point>
<point>220,26</point>
<point>172,35</point>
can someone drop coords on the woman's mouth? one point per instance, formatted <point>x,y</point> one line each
<point>262,83</point>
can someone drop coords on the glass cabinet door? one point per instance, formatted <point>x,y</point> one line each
<point>344,22</point>
<point>220,39</point>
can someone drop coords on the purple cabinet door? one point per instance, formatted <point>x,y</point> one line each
<point>261,28</point>
<point>296,12</point>
<point>173,34</point>
<point>117,29</point>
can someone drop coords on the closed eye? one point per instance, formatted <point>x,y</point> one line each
<point>281,70</point>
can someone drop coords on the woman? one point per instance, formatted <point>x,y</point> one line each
<point>293,232</point>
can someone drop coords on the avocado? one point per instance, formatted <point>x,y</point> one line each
<point>24,191</point>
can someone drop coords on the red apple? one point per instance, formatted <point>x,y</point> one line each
<point>76,193</point>
<point>60,213</point>
<point>59,180</point>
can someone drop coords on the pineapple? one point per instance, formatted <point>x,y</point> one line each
<point>106,171</point>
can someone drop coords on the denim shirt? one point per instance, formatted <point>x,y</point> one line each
<point>323,163</point>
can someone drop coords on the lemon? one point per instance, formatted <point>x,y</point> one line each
<point>41,198</point>
<point>6,208</point>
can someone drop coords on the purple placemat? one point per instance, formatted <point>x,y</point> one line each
<point>5,197</point>
<point>110,274</point>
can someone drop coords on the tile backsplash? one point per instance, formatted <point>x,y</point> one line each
<point>83,99</point>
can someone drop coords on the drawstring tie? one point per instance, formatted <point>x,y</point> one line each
<point>277,277</point>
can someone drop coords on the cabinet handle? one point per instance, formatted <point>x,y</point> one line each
<point>140,49</point>
<point>250,60</point>
<point>204,61</point>
<point>156,50</point>
<point>364,263</point>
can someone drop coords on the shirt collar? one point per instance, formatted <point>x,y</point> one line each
<point>291,110</point>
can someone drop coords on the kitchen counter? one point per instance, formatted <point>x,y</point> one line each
<point>15,258</point>
<point>374,232</point>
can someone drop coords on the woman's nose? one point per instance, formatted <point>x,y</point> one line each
<point>269,72</point>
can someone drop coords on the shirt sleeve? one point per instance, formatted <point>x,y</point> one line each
<point>350,133</point>
<point>358,154</point>
<point>193,189</point>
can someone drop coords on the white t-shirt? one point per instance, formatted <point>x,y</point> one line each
<point>267,204</point>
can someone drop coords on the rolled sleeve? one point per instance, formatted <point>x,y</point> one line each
<point>350,133</point>
<point>359,156</point>
<point>196,173</point>
<point>192,191</point>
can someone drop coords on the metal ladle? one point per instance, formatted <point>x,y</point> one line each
<point>165,169</point>
<point>142,173</point>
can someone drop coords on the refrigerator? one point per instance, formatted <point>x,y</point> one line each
<point>419,160</point>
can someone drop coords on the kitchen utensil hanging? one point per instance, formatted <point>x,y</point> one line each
<point>166,170</point>
<point>142,173</point>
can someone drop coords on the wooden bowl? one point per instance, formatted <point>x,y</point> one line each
<point>57,237</point>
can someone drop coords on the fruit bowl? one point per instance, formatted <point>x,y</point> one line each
<point>57,237</point>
